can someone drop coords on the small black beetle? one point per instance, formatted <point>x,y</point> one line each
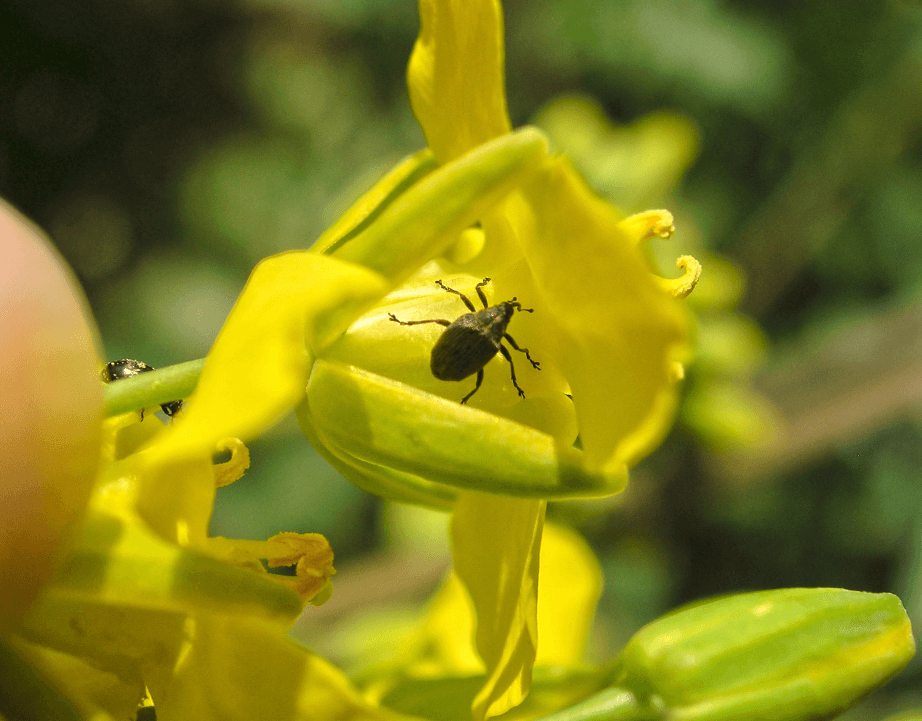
<point>472,340</point>
<point>125,368</point>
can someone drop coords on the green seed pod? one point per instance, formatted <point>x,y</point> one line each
<point>800,653</point>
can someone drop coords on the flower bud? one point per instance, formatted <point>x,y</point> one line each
<point>800,653</point>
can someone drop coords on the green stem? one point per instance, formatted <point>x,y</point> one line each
<point>612,704</point>
<point>151,389</point>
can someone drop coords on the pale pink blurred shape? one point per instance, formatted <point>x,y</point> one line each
<point>50,409</point>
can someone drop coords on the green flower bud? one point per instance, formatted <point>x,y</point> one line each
<point>800,653</point>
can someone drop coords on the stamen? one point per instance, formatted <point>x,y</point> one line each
<point>232,470</point>
<point>648,225</point>
<point>682,286</point>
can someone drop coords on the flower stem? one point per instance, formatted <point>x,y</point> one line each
<point>150,389</point>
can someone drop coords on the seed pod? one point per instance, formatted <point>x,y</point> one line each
<point>800,653</point>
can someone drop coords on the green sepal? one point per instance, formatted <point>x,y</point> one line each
<point>381,481</point>
<point>800,653</point>
<point>388,423</point>
<point>114,562</point>
<point>424,221</point>
<point>366,209</point>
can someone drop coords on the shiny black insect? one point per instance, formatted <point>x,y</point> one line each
<point>125,368</point>
<point>472,340</point>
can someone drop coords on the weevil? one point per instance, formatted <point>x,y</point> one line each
<point>126,368</point>
<point>469,342</point>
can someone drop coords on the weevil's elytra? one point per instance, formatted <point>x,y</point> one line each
<point>125,368</point>
<point>470,341</point>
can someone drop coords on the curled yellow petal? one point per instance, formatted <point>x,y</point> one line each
<point>680,287</point>
<point>232,470</point>
<point>648,225</point>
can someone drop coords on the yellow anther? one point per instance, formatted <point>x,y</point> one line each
<point>680,287</point>
<point>648,225</point>
<point>232,470</point>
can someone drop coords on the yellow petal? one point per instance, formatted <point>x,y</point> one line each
<point>257,369</point>
<point>118,562</point>
<point>456,75</point>
<point>568,591</point>
<point>241,669</point>
<point>495,545</point>
<point>93,691</point>
<point>610,329</point>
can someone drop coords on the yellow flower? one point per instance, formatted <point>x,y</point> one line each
<point>438,661</point>
<point>148,596</point>
<point>634,166</point>
<point>144,602</point>
<point>607,333</point>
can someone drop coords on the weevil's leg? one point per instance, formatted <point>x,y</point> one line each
<point>440,321</point>
<point>470,306</point>
<point>476,388</point>
<point>505,352</point>
<point>483,298</point>
<point>515,345</point>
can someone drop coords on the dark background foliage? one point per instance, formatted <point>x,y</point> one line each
<point>167,145</point>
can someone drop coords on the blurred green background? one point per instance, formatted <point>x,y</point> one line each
<point>168,145</point>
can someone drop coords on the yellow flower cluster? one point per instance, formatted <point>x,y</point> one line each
<point>147,602</point>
